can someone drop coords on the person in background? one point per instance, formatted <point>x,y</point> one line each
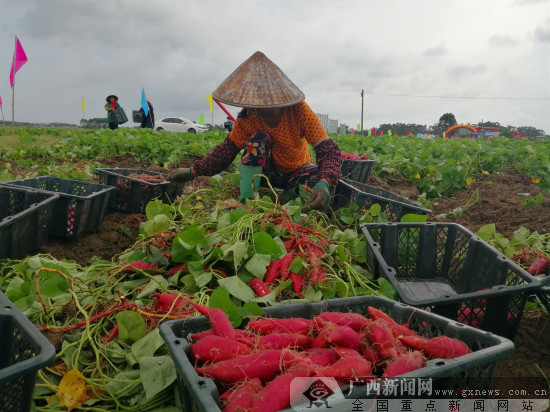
<point>228,124</point>
<point>274,128</point>
<point>112,102</point>
<point>149,120</point>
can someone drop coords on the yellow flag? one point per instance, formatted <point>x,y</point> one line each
<point>209,97</point>
<point>83,108</point>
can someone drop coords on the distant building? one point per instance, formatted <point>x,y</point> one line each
<point>330,125</point>
<point>483,131</point>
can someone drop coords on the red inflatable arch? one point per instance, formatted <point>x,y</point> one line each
<point>459,126</point>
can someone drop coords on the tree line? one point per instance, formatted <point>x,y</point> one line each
<point>448,119</point>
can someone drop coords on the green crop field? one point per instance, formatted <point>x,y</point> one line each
<point>205,248</point>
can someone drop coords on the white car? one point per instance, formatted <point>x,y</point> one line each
<point>179,124</point>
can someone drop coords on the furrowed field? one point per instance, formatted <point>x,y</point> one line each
<point>100,298</point>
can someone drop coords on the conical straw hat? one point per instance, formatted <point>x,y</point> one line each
<point>258,82</point>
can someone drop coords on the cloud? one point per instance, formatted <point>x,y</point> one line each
<point>180,51</point>
<point>435,51</point>
<point>529,2</point>
<point>542,31</point>
<point>502,40</point>
<point>462,70</point>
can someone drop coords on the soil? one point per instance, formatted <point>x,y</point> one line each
<point>500,200</point>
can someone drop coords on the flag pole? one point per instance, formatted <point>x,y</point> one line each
<point>225,110</point>
<point>13,88</point>
<point>4,120</point>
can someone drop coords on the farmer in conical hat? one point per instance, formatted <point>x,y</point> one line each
<point>274,128</point>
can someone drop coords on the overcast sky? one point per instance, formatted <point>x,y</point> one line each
<point>484,60</point>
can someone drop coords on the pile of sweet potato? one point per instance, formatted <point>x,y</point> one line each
<point>254,367</point>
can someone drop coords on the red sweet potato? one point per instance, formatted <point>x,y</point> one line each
<point>342,352</point>
<point>239,333</point>
<point>321,340</point>
<point>320,356</point>
<point>277,394</point>
<point>379,334</point>
<point>414,342</point>
<point>272,271</point>
<point>241,398</point>
<point>263,364</point>
<point>345,337</point>
<point>286,260</point>
<point>266,326</point>
<point>215,348</point>
<point>302,368</point>
<point>218,319</point>
<point>445,348</point>
<point>259,287</point>
<point>538,266</point>
<point>353,367</point>
<point>297,283</point>
<point>278,341</point>
<point>371,354</point>
<point>133,266</point>
<point>407,362</point>
<point>353,320</point>
<point>396,328</point>
<point>166,302</point>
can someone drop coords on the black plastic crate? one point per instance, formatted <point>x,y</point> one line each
<point>23,352</point>
<point>25,218</point>
<point>357,170</point>
<point>81,205</point>
<point>446,269</point>
<point>544,292</point>
<point>472,371</point>
<point>132,195</point>
<point>364,196</point>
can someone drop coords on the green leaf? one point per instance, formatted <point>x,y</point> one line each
<point>192,236</point>
<point>154,284</point>
<point>156,373</point>
<point>52,284</point>
<point>237,288</point>
<point>298,265</point>
<point>157,224</point>
<point>157,207</point>
<point>411,217</point>
<point>386,289</point>
<point>348,220</point>
<point>131,326</point>
<point>266,245</point>
<point>148,345</point>
<point>239,250</point>
<point>252,309</point>
<point>257,264</point>
<point>203,279</point>
<point>123,380</point>
<point>221,299</point>
<point>487,232</point>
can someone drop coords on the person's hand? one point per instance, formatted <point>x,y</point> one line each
<point>321,198</point>
<point>181,175</point>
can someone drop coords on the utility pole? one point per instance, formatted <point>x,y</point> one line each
<point>362,112</point>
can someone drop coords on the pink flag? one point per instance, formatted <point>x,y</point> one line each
<point>19,59</point>
<point>0,102</point>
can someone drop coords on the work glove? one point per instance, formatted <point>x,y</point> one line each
<point>181,175</point>
<point>289,194</point>
<point>321,197</point>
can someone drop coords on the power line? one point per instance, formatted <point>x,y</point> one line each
<point>396,108</point>
<point>460,97</point>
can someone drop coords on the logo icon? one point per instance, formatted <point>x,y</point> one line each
<point>318,393</point>
<point>314,393</point>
